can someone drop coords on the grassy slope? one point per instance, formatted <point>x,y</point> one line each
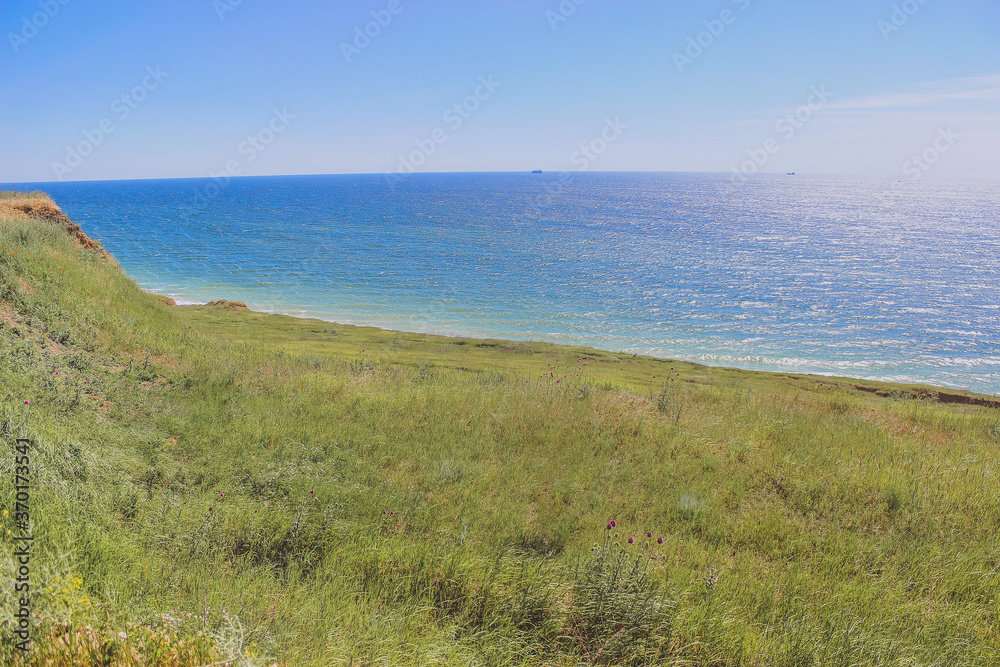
<point>198,459</point>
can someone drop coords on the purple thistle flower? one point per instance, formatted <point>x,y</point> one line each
<point>649,533</point>
<point>659,540</point>
<point>631,540</point>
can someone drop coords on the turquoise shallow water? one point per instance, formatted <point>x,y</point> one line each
<point>861,277</point>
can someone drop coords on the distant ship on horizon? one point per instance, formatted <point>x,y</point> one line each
<point>536,171</point>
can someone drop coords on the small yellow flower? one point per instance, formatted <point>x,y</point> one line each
<point>6,514</point>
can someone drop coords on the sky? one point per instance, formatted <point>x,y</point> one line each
<point>93,90</point>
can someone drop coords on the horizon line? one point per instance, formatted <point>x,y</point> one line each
<point>390,174</point>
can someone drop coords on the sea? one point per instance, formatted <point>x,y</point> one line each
<point>870,278</point>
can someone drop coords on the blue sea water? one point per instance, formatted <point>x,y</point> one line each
<point>867,278</point>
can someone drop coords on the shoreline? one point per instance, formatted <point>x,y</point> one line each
<point>692,359</point>
<point>881,388</point>
<point>688,359</point>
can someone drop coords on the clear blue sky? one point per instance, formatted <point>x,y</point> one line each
<point>923,82</point>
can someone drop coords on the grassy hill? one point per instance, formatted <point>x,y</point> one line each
<point>210,484</point>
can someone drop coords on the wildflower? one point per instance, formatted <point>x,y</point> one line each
<point>631,540</point>
<point>383,511</point>
<point>659,540</point>
<point>649,533</point>
<point>6,514</point>
<point>393,513</point>
<point>610,526</point>
<point>312,490</point>
<point>614,524</point>
<point>27,402</point>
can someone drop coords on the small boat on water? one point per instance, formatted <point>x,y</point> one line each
<point>791,173</point>
<point>536,171</point>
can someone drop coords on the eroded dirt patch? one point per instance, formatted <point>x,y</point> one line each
<point>228,305</point>
<point>41,208</point>
<point>926,394</point>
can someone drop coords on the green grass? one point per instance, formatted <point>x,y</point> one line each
<point>234,466</point>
